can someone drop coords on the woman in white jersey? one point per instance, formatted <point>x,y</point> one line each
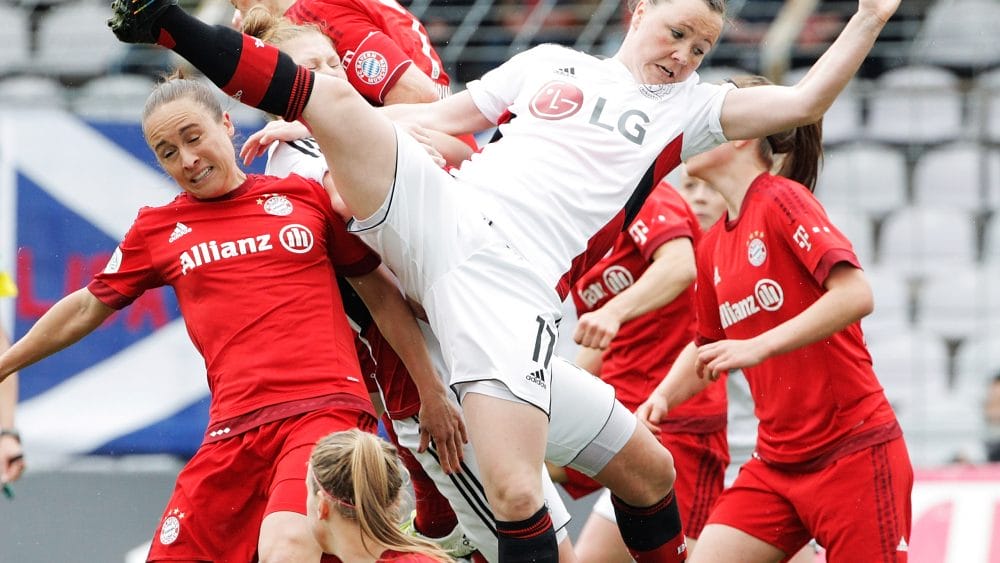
<point>584,139</point>
<point>309,47</point>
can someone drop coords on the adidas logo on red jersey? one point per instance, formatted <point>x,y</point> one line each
<point>180,230</point>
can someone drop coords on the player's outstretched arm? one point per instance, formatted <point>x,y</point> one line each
<point>69,320</point>
<point>440,420</point>
<point>749,113</point>
<point>11,452</point>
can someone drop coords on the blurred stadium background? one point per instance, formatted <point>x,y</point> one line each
<point>912,175</point>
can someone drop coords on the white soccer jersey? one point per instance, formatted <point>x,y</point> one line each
<point>301,156</point>
<point>590,143</point>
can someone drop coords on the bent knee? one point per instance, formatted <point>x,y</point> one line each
<point>516,498</point>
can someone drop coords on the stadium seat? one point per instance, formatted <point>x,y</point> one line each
<point>842,122</point>
<point>892,305</point>
<point>858,228</point>
<point>118,97</point>
<point>15,36</point>
<point>943,428</point>
<point>31,91</point>
<point>956,304</point>
<point>977,361</point>
<point>73,41</point>
<point>964,175</point>
<point>984,106</point>
<point>991,243</point>
<point>959,34</point>
<point>865,176</point>
<point>917,104</point>
<point>912,367</point>
<point>921,241</point>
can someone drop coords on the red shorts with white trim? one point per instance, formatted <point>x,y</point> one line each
<point>858,507</point>
<point>700,461</point>
<point>224,492</point>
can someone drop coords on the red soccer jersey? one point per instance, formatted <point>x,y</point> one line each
<point>645,347</point>
<point>252,273</point>
<point>377,40</point>
<point>764,268</point>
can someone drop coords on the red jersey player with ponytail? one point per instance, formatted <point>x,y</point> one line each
<point>780,294</point>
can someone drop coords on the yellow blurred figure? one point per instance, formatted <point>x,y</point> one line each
<point>7,287</point>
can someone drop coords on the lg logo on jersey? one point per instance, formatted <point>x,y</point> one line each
<point>767,296</point>
<point>559,100</point>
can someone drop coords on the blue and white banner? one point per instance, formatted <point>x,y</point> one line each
<point>69,190</point>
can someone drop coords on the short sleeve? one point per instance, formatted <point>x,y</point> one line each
<point>803,225</point>
<point>372,60</point>
<point>349,255</point>
<point>704,129</point>
<point>128,274</point>
<point>706,302</point>
<point>661,220</point>
<point>301,157</point>
<point>496,91</point>
<point>375,65</point>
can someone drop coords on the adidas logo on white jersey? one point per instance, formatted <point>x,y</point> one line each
<point>180,230</point>
<point>566,71</point>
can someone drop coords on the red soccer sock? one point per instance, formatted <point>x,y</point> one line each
<point>653,534</point>
<point>530,540</point>
<point>244,67</point>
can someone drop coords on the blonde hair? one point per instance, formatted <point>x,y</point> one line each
<point>364,477</point>
<point>259,22</point>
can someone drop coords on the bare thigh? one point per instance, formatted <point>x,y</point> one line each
<point>509,440</point>
<point>723,543</point>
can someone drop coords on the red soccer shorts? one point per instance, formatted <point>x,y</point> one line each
<point>224,492</point>
<point>858,507</point>
<point>700,461</point>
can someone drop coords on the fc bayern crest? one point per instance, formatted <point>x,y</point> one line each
<point>756,251</point>
<point>371,67</point>
<point>170,529</point>
<point>278,205</point>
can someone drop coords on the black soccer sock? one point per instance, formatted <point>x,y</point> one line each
<point>244,67</point>
<point>531,540</point>
<point>652,534</point>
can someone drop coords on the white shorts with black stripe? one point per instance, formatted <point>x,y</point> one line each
<point>467,495</point>
<point>494,315</point>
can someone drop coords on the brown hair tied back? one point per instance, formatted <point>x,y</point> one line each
<point>177,86</point>
<point>801,147</point>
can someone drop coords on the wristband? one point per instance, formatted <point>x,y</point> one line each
<point>12,432</point>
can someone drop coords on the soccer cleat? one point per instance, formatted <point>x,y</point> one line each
<point>133,21</point>
<point>455,543</point>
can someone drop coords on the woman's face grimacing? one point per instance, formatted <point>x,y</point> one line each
<point>314,51</point>
<point>194,148</point>
<point>670,38</point>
